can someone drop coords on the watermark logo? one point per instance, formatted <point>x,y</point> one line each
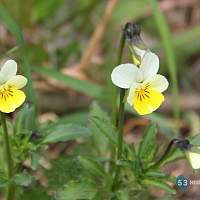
<point>182,182</point>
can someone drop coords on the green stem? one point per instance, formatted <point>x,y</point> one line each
<point>114,88</point>
<point>165,154</point>
<point>120,136</point>
<point>121,123</point>
<point>10,189</point>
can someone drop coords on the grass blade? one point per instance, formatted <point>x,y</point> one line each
<point>83,86</point>
<point>170,54</point>
<point>13,27</point>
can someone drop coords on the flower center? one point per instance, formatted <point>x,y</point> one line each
<point>5,93</point>
<point>142,93</point>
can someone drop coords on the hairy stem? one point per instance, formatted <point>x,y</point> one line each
<point>120,136</point>
<point>10,189</point>
<point>114,88</point>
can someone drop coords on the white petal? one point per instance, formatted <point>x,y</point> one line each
<point>125,75</point>
<point>2,78</point>
<point>194,159</point>
<point>149,65</point>
<point>17,81</point>
<point>139,52</point>
<point>158,82</point>
<point>9,69</point>
<point>131,94</point>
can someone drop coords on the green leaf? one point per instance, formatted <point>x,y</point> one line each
<point>83,86</point>
<point>65,132</point>
<point>148,146</point>
<point>104,134</point>
<point>92,167</point>
<point>35,192</point>
<point>34,160</point>
<point>23,179</point>
<point>75,190</point>
<point>123,195</point>
<point>3,179</point>
<point>100,123</point>
<point>58,176</point>
<point>78,117</point>
<point>174,155</point>
<point>195,140</point>
<point>25,120</point>
<point>160,184</point>
<point>158,174</point>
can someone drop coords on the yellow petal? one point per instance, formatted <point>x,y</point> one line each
<point>10,99</point>
<point>147,100</point>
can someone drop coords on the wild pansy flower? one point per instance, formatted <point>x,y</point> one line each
<point>11,97</point>
<point>144,84</point>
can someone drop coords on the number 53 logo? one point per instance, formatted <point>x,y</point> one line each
<point>182,182</point>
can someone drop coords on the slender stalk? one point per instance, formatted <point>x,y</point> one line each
<point>10,189</point>
<point>114,88</point>
<point>165,154</point>
<point>121,123</point>
<point>120,136</point>
<point>115,92</point>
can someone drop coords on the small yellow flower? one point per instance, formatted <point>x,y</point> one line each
<point>11,97</point>
<point>144,84</point>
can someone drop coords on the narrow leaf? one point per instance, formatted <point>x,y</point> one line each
<point>159,184</point>
<point>65,132</point>
<point>78,190</point>
<point>83,86</point>
<point>148,146</point>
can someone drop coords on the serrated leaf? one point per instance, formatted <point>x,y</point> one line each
<point>64,169</point>
<point>25,120</point>
<point>160,184</point>
<point>65,132</point>
<point>3,179</point>
<point>92,167</point>
<point>104,135</point>
<point>75,190</point>
<point>148,146</point>
<point>23,179</point>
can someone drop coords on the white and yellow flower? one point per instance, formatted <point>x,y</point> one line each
<point>11,97</point>
<point>144,84</point>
